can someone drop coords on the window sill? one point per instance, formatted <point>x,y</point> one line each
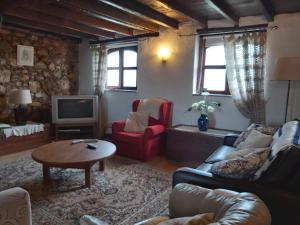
<point>120,90</point>
<point>214,95</point>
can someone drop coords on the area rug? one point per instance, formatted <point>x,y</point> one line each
<point>126,192</point>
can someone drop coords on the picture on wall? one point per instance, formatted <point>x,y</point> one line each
<point>25,55</point>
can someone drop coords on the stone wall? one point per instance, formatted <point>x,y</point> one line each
<point>55,70</point>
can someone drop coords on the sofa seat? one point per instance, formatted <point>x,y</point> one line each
<point>205,167</point>
<point>220,154</point>
<point>136,138</point>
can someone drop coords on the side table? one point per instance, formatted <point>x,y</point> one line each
<point>186,143</point>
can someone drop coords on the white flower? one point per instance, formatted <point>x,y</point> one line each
<point>210,109</point>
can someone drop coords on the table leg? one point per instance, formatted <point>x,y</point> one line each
<point>88,176</point>
<point>101,165</point>
<point>46,173</point>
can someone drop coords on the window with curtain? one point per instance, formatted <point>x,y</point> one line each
<point>122,68</point>
<point>212,73</point>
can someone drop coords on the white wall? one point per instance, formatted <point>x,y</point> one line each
<point>85,69</point>
<point>174,80</point>
<point>283,42</point>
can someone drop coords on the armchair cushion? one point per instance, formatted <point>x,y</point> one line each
<point>130,137</point>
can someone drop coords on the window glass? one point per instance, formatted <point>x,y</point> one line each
<point>215,79</point>
<point>130,58</point>
<point>215,55</point>
<point>113,59</point>
<point>129,78</point>
<point>113,78</point>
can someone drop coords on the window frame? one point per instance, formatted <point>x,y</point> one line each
<point>202,75</point>
<point>121,67</point>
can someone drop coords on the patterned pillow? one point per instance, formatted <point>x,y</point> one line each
<point>241,167</point>
<point>261,128</point>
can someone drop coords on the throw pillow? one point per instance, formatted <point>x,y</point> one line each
<point>259,127</point>
<point>241,153</point>
<point>136,122</point>
<point>241,167</point>
<point>256,139</point>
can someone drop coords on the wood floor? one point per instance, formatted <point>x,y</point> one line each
<point>159,162</point>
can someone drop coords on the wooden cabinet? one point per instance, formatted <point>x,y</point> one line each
<point>75,131</point>
<point>186,143</point>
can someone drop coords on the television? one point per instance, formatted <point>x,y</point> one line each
<point>74,109</point>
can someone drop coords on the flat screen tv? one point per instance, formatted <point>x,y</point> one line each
<point>74,109</point>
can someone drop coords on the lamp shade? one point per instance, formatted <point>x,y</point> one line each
<point>20,97</point>
<point>287,69</point>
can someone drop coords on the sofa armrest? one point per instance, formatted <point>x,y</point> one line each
<point>154,130</point>
<point>185,200</point>
<point>118,126</point>
<point>230,139</point>
<point>16,203</point>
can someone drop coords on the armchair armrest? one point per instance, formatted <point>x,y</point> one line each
<point>118,126</point>
<point>185,200</point>
<point>154,130</point>
<point>16,203</point>
<point>230,139</point>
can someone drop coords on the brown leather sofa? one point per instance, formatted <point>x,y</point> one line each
<point>278,187</point>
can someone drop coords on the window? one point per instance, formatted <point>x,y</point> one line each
<point>122,68</point>
<point>213,71</point>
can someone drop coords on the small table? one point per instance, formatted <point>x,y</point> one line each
<point>187,143</point>
<point>64,154</point>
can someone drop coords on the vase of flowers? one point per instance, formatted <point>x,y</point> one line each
<point>204,108</point>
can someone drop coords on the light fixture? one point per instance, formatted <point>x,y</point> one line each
<point>287,69</point>
<point>20,98</point>
<point>164,54</point>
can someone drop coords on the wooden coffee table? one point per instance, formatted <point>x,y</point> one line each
<point>64,154</point>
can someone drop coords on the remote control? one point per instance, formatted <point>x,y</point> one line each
<point>92,146</point>
<point>76,141</point>
<point>90,140</point>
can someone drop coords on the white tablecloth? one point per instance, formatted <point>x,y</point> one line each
<point>27,129</point>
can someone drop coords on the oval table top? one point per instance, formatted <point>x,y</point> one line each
<point>65,153</point>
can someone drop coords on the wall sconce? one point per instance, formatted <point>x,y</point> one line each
<point>164,54</point>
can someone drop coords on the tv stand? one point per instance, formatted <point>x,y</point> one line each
<point>75,130</point>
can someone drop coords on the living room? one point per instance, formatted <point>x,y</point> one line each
<point>164,95</point>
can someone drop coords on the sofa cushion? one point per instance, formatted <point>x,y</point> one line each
<point>130,137</point>
<point>241,167</point>
<point>219,154</point>
<point>242,152</point>
<point>256,139</point>
<point>205,167</point>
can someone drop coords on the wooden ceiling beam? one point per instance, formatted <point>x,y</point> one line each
<point>55,21</point>
<point>268,9</point>
<point>222,8</point>
<point>138,9</point>
<point>6,4</point>
<point>110,13</point>
<point>171,4</point>
<point>77,16</point>
<point>45,28</point>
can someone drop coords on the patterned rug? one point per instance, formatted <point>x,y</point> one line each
<point>126,192</point>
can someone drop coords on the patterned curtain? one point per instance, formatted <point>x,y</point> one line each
<point>245,64</point>
<point>100,79</point>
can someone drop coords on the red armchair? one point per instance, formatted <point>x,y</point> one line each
<point>142,146</point>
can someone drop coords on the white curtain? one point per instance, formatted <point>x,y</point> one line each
<point>245,64</point>
<point>101,76</point>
